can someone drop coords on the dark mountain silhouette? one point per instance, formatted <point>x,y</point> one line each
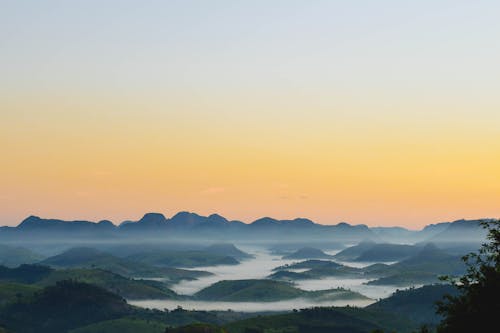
<point>187,225</point>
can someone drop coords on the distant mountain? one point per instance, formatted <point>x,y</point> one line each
<point>227,249</point>
<point>461,231</point>
<point>149,222</point>
<point>308,253</point>
<point>388,252</point>
<point>353,252</point>
<point>194,227</point>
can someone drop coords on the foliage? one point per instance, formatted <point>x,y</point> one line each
<point>123,325</point>
<point>323,319</point>
<point>478,302</point>
<point>68,304</point>
<point>24,273</point>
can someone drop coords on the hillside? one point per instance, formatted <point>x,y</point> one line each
<point>183,259</point>
<point>266,291</point>
<point>227,249</point>
<point>13,256</point>
<point>125,287</point>
<point>419,304</point>
<point>308,253</point>
<point>66,305</point>
<point>91,258</point>
<point>123,325</point>
<point>324,320</point>
<point>353,252</point>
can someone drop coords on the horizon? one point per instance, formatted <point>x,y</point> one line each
<point>383,114</point>
<point>168,217</point>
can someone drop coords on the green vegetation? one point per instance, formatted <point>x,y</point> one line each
<point>267,291</point>
<point>183,259</point>
<point>13,256</point>
<point>10,292</point>
<point>24,273</point>
<point>91,258</point>
<point>129,288</point>
<point>308,253</point>
<point>323,320</point>
<point>123,325</point>
<point>477,303</point>
<point>125,287</point>
<point>196,328</point>
<point>404,279</point>
<point>58,308</point>
<point>423,268</point>
<point>417,304</point>
<point>227,249</point>
<point>309,264</point>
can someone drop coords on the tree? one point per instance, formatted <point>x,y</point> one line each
<point>478,303</point>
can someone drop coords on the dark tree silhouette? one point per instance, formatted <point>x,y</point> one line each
<point>478,302</point>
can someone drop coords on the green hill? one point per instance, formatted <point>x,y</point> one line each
<point>419,304</point>
<point>308,253</point>
<point>61,307</point>
<point>267,291</point>
<point>183,258</point>
<point>353,252</point>
<point>13,256</point>
<point>24,273</point>
<point>316,269</point>
<point>126,287</point>
<point>123,286</point>
<point>82,257</point>
<point>123,325</point>
<point>324,320</point>
<point>10,292</point>
<point>227,249</point>
<point>309,264</point>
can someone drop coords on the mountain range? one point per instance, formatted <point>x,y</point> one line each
<point>191,225</point>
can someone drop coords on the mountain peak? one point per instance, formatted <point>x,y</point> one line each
<point>151,219</point>
<point>217,218</point>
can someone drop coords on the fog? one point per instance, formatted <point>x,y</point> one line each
<point>260,267</point>
<point>288,305</point>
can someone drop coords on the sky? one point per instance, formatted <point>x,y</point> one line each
<point>375,112</point>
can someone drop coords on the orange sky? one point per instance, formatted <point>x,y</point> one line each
<point>348,120</point>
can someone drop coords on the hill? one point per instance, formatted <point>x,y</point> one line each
<point>266,291</point>
<point>61,307</point>
<point>24,273</point>
<point>183,259</point>
<point>353,252</point>
<point>227,249</point>
<point>424,267</point>
<point>324,320</point>
<point>387,252</point>
<point>308,253</point>
<point>123,325</point>
<point>41,276</point>
<point>82,257</point>
<point>125,287</point>
<point>10,292</point>
<point>419,305</point>
<point>13,256</point>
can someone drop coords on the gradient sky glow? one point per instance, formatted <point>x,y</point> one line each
<point>375,112</point>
